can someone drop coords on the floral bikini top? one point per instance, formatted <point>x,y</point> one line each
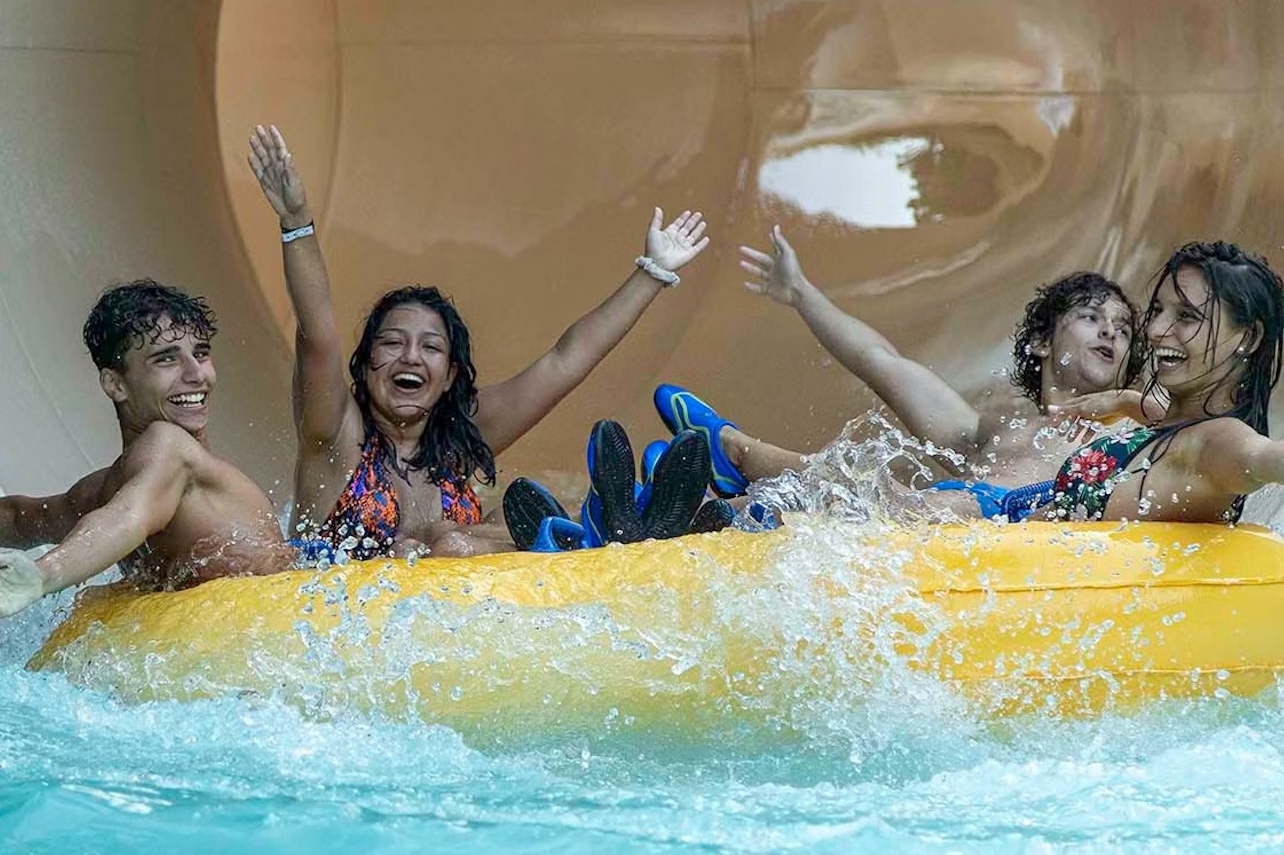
<point>366,518</point>
<point>1088,477</point>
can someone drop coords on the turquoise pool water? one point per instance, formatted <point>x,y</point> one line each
<point>80,773</point>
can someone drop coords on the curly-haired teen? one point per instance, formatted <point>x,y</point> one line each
<point>386,456</point>
<point>168,510</point>
<point>1053,306</point>
<point>1073,341</point>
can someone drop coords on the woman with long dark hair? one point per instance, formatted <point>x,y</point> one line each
<point>1213,333</point>
<point>386,458</point>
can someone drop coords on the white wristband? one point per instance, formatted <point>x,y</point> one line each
<point>302,231</point>
<point>658,273</point>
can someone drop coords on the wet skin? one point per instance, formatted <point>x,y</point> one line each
<point>1197,357</point>
<point>1088,353</point>
<point>168,509</point>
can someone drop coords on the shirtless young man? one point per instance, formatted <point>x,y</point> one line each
<point>170,511</point>
<point>1072,341</point>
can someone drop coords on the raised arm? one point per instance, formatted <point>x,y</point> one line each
<point>144,505</point>
<point>321,396</point>
<point>507,410</point>
<point>925,403</point>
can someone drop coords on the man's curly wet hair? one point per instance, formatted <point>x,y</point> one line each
<point>129,315</point>
<point>1042,313</point>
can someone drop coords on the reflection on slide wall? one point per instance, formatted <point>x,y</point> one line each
<point>931,160</point>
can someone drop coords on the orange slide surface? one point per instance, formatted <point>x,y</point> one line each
<point>932,161</point>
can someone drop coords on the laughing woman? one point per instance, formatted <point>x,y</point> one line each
<point>1213,328</point>
<point>386,461</point>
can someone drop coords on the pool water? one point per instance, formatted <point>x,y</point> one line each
<point>81,773</point>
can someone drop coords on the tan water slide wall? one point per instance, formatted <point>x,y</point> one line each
<point>932,161</point>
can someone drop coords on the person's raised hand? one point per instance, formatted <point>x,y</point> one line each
<point>273,166</point>
<point>778,275</point>
<point>678,242</point>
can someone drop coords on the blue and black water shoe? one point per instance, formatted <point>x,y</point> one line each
<point>611,474</point>
<point>677,487</point>
<point>558,534</point>
<point>527,504</point>
<point>680,410</point>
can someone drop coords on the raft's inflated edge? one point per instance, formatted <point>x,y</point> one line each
<point>1042,616</point>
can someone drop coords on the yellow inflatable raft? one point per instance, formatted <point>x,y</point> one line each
<point>688,634</point>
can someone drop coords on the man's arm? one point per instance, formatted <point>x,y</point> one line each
<point>507,410</point>
<point>27,522</point>
<point>928,407</point>
<point>156,476</point>
<point>321,396</point>
<point>1111,405</point>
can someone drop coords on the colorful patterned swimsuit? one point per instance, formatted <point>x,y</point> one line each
<point>1088,477</point>
<point>365,520</point>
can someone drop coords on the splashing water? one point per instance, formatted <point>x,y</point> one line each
<point>821,747</point>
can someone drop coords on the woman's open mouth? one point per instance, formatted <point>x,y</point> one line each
<point>1167,357</point>
<point>407,382</point>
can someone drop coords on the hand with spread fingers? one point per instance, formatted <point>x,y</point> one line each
<point>778,275</point>
<point>678,242</point>
<point>273,166</point>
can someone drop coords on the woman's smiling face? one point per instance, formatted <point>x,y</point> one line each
<point>410,366</point>
<point>1193,342</point>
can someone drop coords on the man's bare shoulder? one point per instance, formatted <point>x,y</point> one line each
<point>162,442</point>
<point>90,492</point>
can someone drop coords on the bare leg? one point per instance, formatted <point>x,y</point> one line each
<point>448,540</point>
<point>757,459</point>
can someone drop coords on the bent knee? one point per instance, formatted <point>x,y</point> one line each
<point>453,544</point>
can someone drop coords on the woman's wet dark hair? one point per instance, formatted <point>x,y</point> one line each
<point>128,315</point>
<point>451,447</point>
<point>1050,303</point>
<point>1245,286</point>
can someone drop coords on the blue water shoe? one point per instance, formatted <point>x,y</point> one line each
<point>680,410</point>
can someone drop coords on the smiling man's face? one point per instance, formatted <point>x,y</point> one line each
<point>168,376</point>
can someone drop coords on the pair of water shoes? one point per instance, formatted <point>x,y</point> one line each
<point>668,503</point>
